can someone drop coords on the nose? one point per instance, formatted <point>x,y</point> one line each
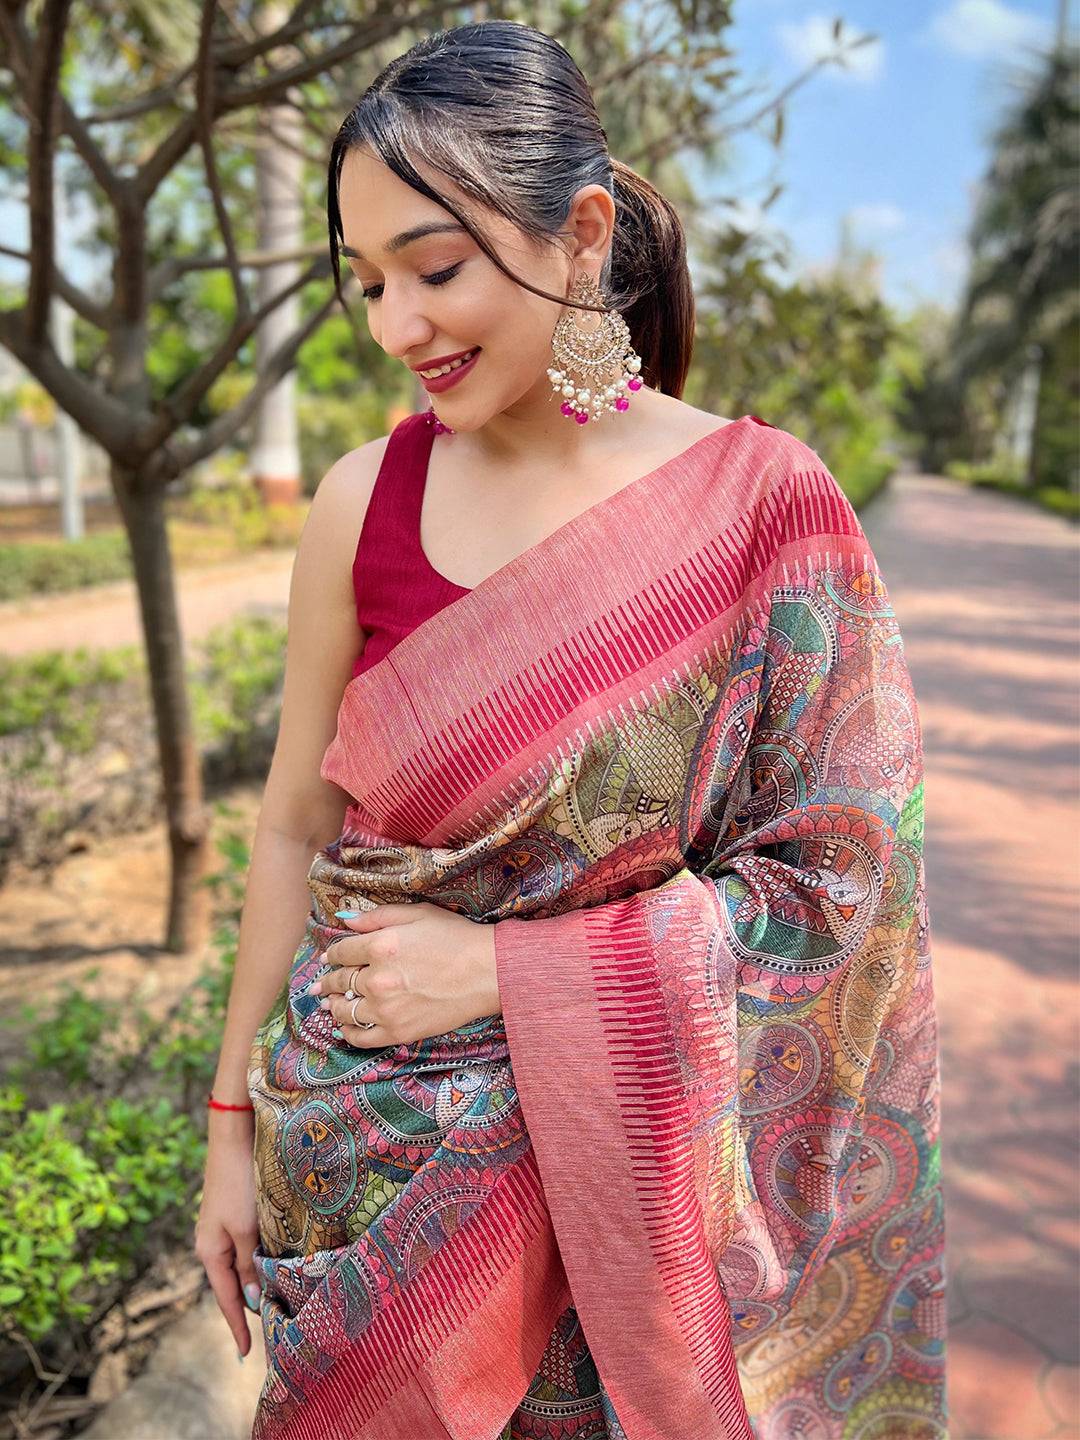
<point>404,332</point>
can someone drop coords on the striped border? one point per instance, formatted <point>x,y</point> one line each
<point>452,782</point>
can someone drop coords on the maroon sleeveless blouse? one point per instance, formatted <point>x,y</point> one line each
<point>395,586</point>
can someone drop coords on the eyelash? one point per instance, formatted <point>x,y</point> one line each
<point>440,277</point>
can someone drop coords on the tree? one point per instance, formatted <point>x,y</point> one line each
<point>658,76</point>
<point>1021,298</point>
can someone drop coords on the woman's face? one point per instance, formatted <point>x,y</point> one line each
<point>439,294</point>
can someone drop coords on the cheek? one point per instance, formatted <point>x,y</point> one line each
<point>514,324</point>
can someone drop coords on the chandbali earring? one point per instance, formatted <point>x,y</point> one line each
<point>585,357</point>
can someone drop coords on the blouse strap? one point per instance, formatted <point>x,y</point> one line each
<point>415,436</point>
<point>393,507</point>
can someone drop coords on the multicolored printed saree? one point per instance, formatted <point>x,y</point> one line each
<point>686,1185</point>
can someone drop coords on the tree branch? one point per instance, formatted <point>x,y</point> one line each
<point>43,92</point>
<point>171,461</point>
<point>205,90</point>
<point>273,87</point>
<point>176,409</point>
<point>295,28</point>
<point>109,421</point>
<point>78,299</point>
<point>161,96</point>
<point>169,271</point>
<point>17,51</point>
<point>231,56</point>
<point>834,58</point>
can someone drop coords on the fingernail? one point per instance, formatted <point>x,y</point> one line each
<point>316,988</point>
<point>347,914</point>
<point>239,1357</point>
<point>251,1295</point>
<point>337,1033</point>
<point>324,1003</point>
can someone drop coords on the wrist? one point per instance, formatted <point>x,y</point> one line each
<point>492,999</point>
<point>229,1098</point>
<point>230,1125</point>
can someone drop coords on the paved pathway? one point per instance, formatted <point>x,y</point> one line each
<point>108,615</point>
<point>986,592</point>
<point>986,589</point>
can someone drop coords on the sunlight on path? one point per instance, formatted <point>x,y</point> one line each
<point>985,589</point>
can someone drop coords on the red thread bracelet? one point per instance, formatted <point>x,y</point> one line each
<point>213,1104</point>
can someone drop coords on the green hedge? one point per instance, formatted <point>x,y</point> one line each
<point>78,750</point>
<point>208,521</point>
<point>45,567</point>
<point>1001,476</point>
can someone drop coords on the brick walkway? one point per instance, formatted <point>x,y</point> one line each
<point>986,593</point>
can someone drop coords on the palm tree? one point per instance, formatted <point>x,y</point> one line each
<point>1021,294</point>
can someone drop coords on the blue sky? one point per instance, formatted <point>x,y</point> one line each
<point>897,144</point>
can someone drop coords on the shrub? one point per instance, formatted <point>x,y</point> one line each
<point>95,1185</point>
<point>44,567</point>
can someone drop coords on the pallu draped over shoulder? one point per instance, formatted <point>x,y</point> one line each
<point>673,754</point>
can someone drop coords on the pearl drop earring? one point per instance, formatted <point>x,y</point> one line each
<point>586,358</point>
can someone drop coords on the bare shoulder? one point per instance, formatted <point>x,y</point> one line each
<point>686,422</point>
<point>324,641</point>
<point>340,503</point>
<point>345,489</point>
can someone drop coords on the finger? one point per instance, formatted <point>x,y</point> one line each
<point>379,916</point>
<point>342,977</point>
<point>374,1039</point>
<point>250,1280</point>
<point>346,1012</point>
<point>225,1284</point>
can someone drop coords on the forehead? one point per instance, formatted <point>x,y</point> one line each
<point>381,214</point>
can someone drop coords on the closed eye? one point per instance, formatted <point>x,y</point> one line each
<point>440,277</point>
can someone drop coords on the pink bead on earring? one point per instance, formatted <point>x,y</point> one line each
<point>436,424</point>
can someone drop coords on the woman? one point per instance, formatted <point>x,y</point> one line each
<point>653,1150</point>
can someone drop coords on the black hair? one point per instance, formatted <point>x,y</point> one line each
<point>502,109</point>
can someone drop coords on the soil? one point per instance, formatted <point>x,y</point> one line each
<point>103,907</point>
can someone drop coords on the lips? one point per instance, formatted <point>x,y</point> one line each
<point>453,377</point>
<point>444,359</point>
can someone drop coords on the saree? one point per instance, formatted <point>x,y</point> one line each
<point>686,1182</point>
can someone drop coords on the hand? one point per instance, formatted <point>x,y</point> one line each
<point>422,971</point>
<point>226,1231</point>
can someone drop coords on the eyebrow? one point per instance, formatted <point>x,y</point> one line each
<point>398,242</point>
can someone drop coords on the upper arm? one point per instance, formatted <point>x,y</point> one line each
<point>324,640</point>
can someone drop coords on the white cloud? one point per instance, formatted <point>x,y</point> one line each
<point>881,216</point>
<point>952,259</point>
<point>746,215</point>
<point>810,39</point>
<point>987,29</point>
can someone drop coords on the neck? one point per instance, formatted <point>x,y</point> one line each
<point>540,437</point>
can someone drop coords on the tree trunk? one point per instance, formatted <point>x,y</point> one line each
<point>142,507</point>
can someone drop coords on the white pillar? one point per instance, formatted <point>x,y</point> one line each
<point>275,456</point>
<point>69,448</point>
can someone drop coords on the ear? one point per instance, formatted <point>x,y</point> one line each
<point>591,222</point>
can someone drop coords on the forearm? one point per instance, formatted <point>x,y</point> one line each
<point>276,905</point>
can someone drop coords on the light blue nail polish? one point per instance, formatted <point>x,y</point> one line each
<point>338,1034</point>
<point>251,1295</point>
<point>348,914</point>
<point>239,1357</point>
